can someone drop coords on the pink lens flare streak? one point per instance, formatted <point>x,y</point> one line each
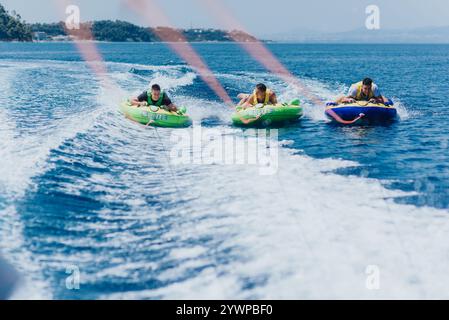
<point>258,50</point>
<point>89,51</point>
<point>149,11</point>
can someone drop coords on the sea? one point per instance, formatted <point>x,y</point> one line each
<point>93,205</point>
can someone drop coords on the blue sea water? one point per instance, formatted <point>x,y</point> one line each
<point>83,187</point>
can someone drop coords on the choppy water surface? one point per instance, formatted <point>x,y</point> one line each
<point>82,186</point>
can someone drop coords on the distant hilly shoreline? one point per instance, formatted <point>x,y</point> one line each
<point>425,35</point>
<point>122,31</point>
<point>13,28</point>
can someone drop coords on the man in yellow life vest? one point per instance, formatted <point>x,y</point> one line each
<point>261,95</point>
<point>364,90</point>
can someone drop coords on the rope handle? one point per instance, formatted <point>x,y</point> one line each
<point>248,121</point>
<point>340,120</point>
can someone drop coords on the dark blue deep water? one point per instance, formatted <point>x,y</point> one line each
<point>81,187</point>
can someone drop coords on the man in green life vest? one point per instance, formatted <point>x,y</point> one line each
<point>154,97</point>
<point>261,95</point>
<point>364,90</point>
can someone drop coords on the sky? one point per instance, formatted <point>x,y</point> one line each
<point>259,17</point>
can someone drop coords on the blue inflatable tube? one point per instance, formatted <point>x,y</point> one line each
<point>361,112</point>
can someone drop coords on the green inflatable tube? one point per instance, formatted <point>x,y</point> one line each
<point>267,115</point>
<point>154,116</point>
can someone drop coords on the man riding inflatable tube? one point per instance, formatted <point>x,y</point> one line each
<point>364,90</point>
<point>261,95</point>
<point>154,97</point>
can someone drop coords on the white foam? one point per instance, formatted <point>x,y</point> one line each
<point>31,285</point>
<point>23,157</point>
<point>199,109</point>
<point>10,227</point>
<point>403,112</point>
<point>172,81</point>
<point>303,233</point>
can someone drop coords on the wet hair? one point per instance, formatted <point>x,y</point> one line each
<point>156,87</point>
<point>261,87</point>
<point>367,82</point>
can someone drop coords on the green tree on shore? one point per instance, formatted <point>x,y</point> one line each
<point>12,28</point>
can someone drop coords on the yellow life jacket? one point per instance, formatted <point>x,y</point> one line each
<point>267,97</point>
<point>360,95</point>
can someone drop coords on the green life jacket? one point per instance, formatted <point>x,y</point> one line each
<point>157,103</point>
